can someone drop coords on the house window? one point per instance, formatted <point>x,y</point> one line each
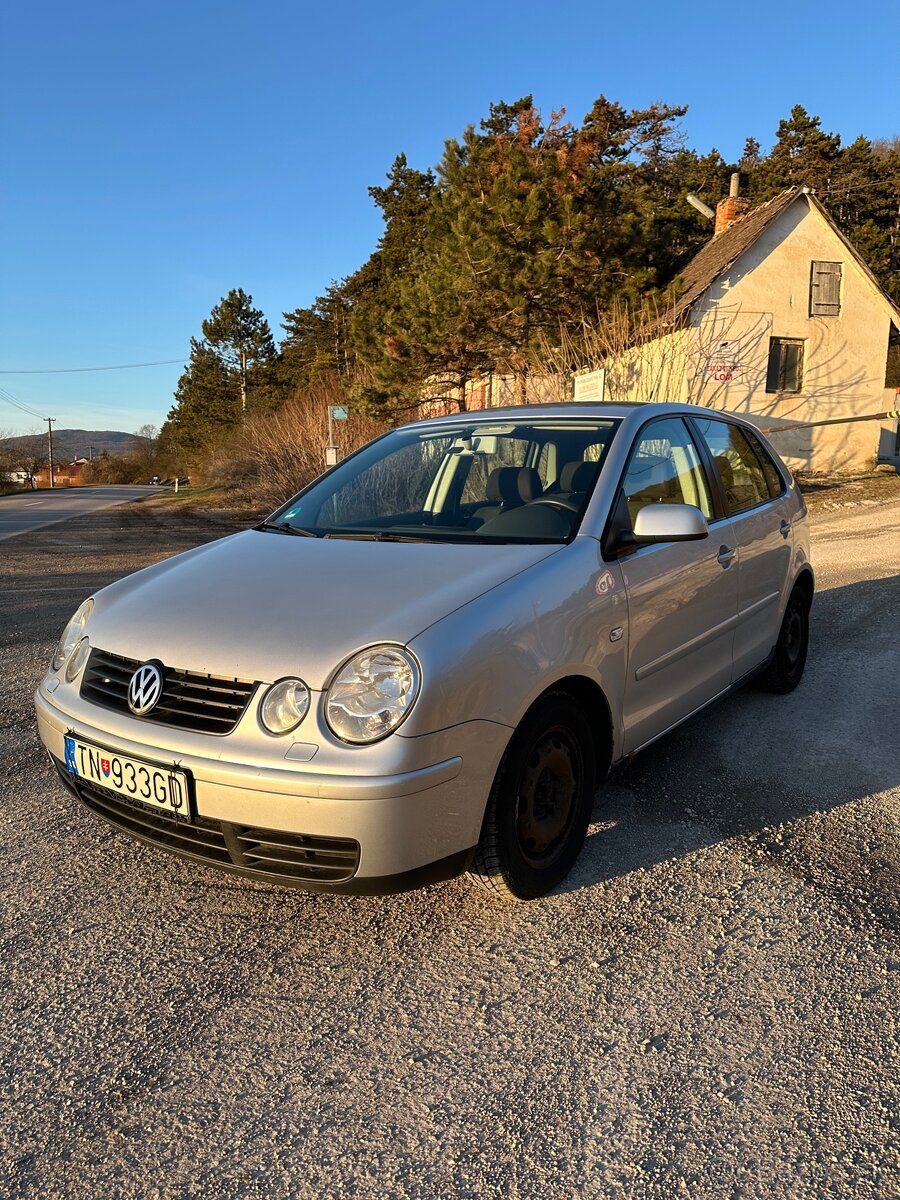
<point>825,289</point>
<point>785,373</point>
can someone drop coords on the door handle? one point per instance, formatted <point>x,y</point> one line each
<point>784,529</point>
<point>725,556</point>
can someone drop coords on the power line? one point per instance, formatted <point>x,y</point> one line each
<point>10,399</point>
<point>160,362</point>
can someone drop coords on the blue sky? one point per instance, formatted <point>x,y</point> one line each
<point>157,155</point>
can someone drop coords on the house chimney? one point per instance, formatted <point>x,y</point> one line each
<point>732,208</point>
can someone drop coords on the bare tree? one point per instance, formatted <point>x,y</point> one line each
<point>148,433</point>
<point>274,455</point>
<point>28,454</point>
<point>647,353</point>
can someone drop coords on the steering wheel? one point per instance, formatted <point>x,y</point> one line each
<point>553,502</point>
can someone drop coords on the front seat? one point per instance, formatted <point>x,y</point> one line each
<point>575,479</point>
<point>508,487</point>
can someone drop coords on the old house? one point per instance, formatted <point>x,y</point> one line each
<point>779,318</point>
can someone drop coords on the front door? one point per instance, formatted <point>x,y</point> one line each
<point>682,596</point>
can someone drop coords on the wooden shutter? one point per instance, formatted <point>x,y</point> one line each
<point>825,289</point>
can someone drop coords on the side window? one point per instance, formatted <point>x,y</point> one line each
<point>742,477</point>
<point>773,479</point>
<point>665,469</point>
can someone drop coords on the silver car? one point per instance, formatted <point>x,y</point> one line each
<point>426,661</point>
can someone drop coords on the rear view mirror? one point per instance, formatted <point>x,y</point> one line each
<point>480,444</point>
<point>669,523</point>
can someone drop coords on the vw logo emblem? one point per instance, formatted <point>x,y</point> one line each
<point>145,689</point>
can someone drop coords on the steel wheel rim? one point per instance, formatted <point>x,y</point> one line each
<point>547,800</point>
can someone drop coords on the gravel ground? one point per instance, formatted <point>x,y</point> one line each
<point>707,1009</point>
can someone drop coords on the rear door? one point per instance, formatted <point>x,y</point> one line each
<point>756,501</point>
<point>682,596</point>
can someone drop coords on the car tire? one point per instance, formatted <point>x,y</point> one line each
<point>785,670</point>
<point>540,804</point>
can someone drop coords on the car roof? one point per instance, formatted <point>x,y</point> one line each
<point>571,408</point>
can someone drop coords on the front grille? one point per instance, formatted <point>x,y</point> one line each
<point>202,703</point>
<point>268,854</point>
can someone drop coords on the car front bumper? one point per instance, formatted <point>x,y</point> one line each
<point>319,829</point>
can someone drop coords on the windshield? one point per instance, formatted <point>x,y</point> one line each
<point>521,481</point>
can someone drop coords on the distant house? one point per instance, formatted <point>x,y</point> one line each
<point>779,318</point>
<point>65,475</point>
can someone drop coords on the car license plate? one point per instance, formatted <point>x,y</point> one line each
<point>162,788</point>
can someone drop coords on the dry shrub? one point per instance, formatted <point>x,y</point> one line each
<point>276,454</point>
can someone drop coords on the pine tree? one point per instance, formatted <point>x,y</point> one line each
<point>240,336</point>
<point>207,404</point>
<point>529,226</point>
<point>803,156</point>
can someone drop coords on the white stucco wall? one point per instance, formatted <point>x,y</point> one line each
<point>656,370</point>
<point>766,294</point>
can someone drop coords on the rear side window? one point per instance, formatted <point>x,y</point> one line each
<point>742,476</point>
<point>665,469</point>
<point>773,479</point>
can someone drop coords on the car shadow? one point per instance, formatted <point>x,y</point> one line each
<point>753,764</point>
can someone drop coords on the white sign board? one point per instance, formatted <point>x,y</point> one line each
<point>590,387</point>
<point>331,456</point>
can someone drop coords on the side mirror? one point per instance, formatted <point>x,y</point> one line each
<point>669,523</point>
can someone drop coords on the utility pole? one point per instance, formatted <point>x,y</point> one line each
<point>50,421</point>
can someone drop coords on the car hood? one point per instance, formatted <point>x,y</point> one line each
<point>264,605</point>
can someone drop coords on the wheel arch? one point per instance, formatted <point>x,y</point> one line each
<point>590,696</point>
<point>805,581</point>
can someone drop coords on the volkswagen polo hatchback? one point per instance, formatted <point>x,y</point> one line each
<point>428,659</point>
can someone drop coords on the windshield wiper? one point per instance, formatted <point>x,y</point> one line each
<point>374,535</point>
<point>283,527</point>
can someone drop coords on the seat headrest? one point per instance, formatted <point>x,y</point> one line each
<point>578,476</point>
<point>512,486</point>
<point>503,486</point>
<point>529,485</point>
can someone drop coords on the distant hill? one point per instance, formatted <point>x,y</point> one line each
<point>77,443</point>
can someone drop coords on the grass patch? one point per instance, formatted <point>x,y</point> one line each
<point>214,495</point>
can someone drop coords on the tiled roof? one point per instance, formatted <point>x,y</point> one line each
<point>719,253</point>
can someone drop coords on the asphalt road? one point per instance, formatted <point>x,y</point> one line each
<point>708,1009</point>
<point>24,511</point>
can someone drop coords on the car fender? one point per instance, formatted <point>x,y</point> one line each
<point>491,659</point>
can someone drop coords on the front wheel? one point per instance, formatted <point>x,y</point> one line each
<point>786,668</point>
<point>540,803</point>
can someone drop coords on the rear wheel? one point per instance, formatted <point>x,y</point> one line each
<point>540,804</point>
<point>786,668</point>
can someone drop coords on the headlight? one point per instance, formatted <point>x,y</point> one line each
<point>71,635</point>
<point>372,694</point>
<point>284,705</point>
<point>78,659</point>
